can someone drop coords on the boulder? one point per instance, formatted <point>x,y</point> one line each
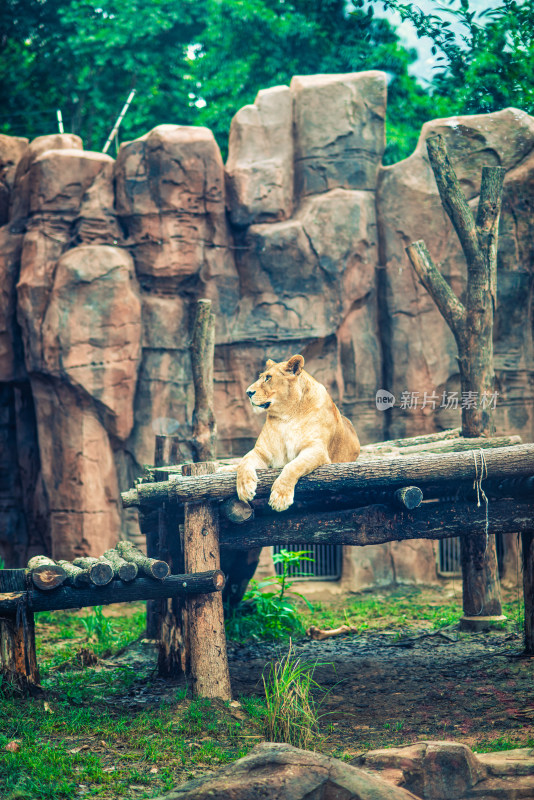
<point>58,180</point>
<point>259,169</point>
<point>78,470</point>
<point>97,222</point>
<point>170,198</point>
<point>19,206</point>
<point>91,333</point>
<point>11,355</point>
<point>281,772</point>
<point>339,130</point>
<point>451,771</point>
<point>12,148</point>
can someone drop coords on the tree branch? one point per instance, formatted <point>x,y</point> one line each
<point>448,304</point>
<point>454,202</point>
<point>487,222</point>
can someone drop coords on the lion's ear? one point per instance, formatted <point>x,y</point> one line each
<point>295,364</point>
<point>270,363</point>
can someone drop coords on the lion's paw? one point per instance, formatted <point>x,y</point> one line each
<point>247,480</point>
<point>281,496</point>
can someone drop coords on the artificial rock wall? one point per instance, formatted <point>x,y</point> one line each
<point>299,242</point>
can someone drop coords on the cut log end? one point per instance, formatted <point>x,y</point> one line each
<point>409,497</point>
<point>48,577</point>
<point>158,569</point>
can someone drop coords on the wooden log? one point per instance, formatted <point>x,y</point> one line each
<point>409,497</point>
<point>426,438</point>
<point>100,572</point>
<point>76,576</point>
<point>459,445</point>
<point>152,567</point>
<point>14,580</point>
<point>377,524</point>
<point>114,592</point>
<point>46,575</point>
<point>387,472</point>
<point>207,639</point>
<point>18,660</point>
<point>122,569</point>
<point>202,350</point>
<point>235,510</point>
<point>527,541</point>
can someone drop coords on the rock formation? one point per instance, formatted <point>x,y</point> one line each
<point>299,243</point>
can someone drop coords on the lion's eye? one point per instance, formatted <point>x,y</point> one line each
<point>267,378</point>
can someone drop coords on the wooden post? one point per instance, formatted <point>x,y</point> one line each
<point>527,540</point>
<point>18,661</point>
<point>207,639</point>
<point>472,327</point>
<point>202,349</point>
<point>173,654</point>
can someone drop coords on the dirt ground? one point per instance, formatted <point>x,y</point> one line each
<point>386,690</point>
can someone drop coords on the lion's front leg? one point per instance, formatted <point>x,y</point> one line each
<point>283,489</point>
<point>247,478</point>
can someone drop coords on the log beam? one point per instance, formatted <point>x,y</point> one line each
<point>387,472</point>
<point>377,524</point>
<point>115,592</point>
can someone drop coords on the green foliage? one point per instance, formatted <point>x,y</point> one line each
<point>249,45</point>
<point>489,64</point>
<point>270,615</point>
<point>98,627</point>
<point>84,57</point>
<point>291,714</point>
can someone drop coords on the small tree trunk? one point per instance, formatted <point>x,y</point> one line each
<point>472,327</point>
<point>202,349</point>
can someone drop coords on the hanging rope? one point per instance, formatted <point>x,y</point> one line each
<point>477,485</point>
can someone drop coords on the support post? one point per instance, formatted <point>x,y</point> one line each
<point>18,661</point>
<point>527,540</point>
<point>202,350</point>
<point>207,639</point>
<point>472,327</point>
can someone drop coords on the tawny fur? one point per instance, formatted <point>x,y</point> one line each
<point>303,430</point>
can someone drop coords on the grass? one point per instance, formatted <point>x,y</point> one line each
<point>291,712</point>
<point>85,738</point>
<point>404,609</point>
<point>91,735</point>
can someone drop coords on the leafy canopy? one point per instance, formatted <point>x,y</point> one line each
<point>199,61</point>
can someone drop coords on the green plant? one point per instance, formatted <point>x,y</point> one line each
<point>291,710</point>
<point>270,614</point>
<point>98,627</point>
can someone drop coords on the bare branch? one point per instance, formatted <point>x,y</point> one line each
<point>454,202</point>
<point>448,304</point>
<point>487,222</point>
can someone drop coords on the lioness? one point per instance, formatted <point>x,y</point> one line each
<point>303,430</point>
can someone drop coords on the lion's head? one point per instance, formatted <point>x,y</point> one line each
<point>277,386</point>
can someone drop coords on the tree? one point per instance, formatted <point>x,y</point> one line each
<point>84,57</point>
<point>488,64</point>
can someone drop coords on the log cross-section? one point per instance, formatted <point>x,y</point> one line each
<point>207,639</point>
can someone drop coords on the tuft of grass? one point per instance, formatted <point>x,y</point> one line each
<point>502,743</point>
<point>291,712</point>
